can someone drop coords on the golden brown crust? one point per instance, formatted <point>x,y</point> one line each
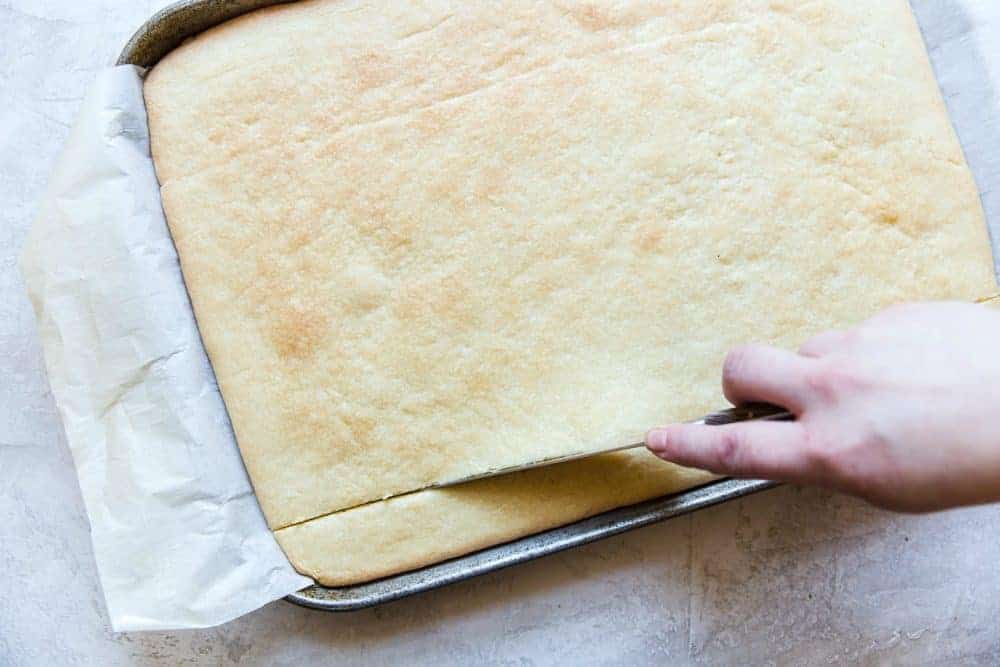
<point>427,241</point>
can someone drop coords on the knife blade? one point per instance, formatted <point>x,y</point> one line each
<point>742,413</point>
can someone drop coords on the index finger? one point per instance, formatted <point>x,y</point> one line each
<point>760,373</point>
<point>768,450</point>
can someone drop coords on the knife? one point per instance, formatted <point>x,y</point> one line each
<point>743,413</point>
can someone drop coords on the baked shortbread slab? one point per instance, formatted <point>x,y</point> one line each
<point>428,240</point>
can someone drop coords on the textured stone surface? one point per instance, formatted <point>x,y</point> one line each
<point>789,576</point>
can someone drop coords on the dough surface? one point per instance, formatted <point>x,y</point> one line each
<point>424,240</point>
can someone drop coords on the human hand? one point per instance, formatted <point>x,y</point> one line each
<point>903,410</point>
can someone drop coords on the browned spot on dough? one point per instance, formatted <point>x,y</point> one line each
<point>383,225</point>
<point>297,332</point>
<point>361,427</point>
<point>649,236</point>
<point>269,285</point>
<point>432,122</point>
<point>478,383</point>
<point>479,377</point>
<point>888,216</point>
<point>490,182</point>
<point>782,194</point>
<point>441,188</point>
<point>450,300</point>
<point>884,213</point>
<point>374,214</point>
<point>509,55</point>
<point>593,17</point>
<point>371,70</point>
<point>299,240</point>
<point>311,421</point>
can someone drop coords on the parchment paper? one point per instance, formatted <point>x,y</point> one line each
<point>179,538</point>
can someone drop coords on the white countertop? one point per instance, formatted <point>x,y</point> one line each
<point>790,575</point>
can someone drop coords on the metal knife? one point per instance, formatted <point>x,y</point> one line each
<point>743,413</point>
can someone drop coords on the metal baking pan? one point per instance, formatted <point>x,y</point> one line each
<point>166,30</point>
<point>617,521</point>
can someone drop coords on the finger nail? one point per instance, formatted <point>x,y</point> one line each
<point>657,439</point>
